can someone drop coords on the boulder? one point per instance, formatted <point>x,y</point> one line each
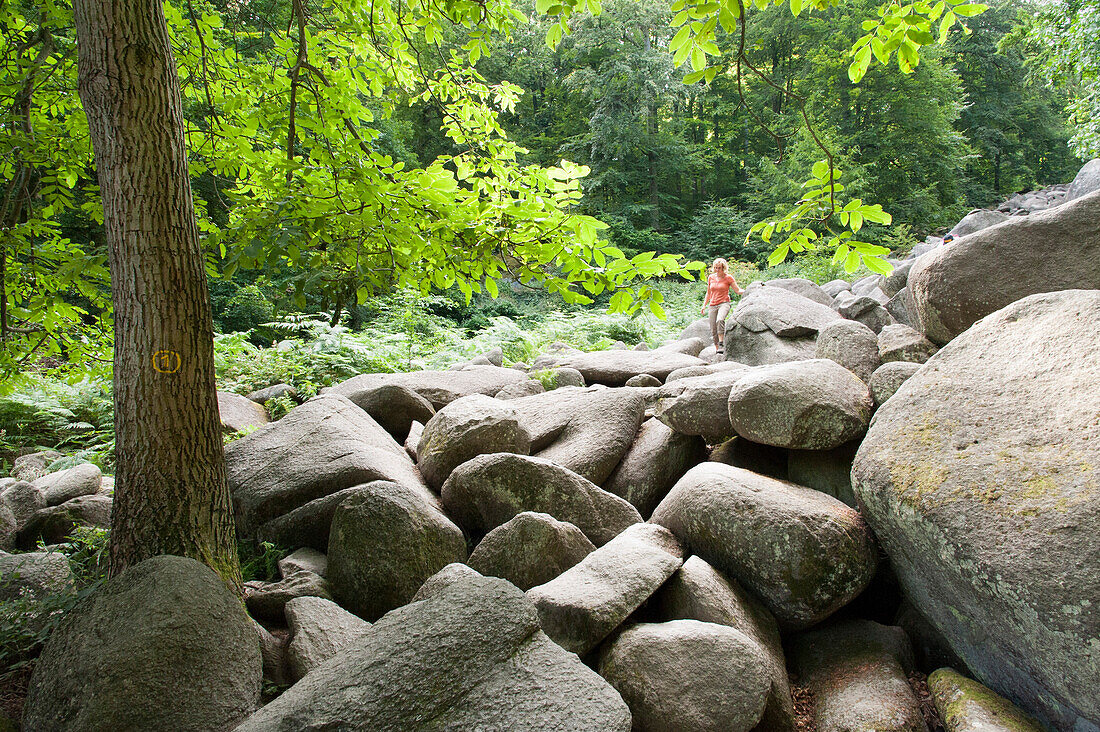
<point>34,574</point>
<point>1087,180</point>
<point>898,278</point>
<point>1057,249</point>
<point>773,325</point>
<point>867,285</point>
<point>319,629</point>
<point>688,676</point>
<point>586,431</point>
<point>690,346</point>
<point>710,368</point>
<point>8,528</point>
<point>964,705</point>
<point>852,345</point>
<point>24,500</point>
<point>275,391</point>
<point>395,407</point>
<point>521,389</point>
<point>698,591</point>
<point>416,431</point>
<point>752,456</point>
<point>901,308</point>
<point>384,542</point>
<point>614,368</point>
<point>832,288</point>
<point>530,549</point>
<point>33,466</point>
<point>696,329</point>
<point>653,464</point>
<point>805,554</point>
<point>239,413</point>
<point>581,606</point>
<point>803,287</point>
<point>454,573</point>
<point>857,673</point>
<point>53,524</point>
<point>438,387</point>
<point>643,380</point>
<point>489,490</point>
<point>979,479</point>
<point>465,428</point>
<point>321,447</point>
<point>266,600</point>
<point>163,645</point>
<point>308,525</point>
<point>470,656</point>
<point>806,405</point>
<point>977,220</point>
<point>864,308</point>
<point>272,655</point>
<point>699,405</point>
<point>889,377</point>
<point>309,560</point>
<point>64,485</point>
<point>902,343</point>
<point>828,471</point>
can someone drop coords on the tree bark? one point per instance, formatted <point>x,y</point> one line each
<point>170,487</point>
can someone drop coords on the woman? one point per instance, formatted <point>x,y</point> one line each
<point>718,299</point>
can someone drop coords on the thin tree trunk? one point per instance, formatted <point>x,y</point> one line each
<point>170,490</point>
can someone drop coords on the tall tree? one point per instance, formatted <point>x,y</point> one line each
<point>171,495</point>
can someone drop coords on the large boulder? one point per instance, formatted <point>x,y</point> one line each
<point>307,525</point>
<point>581,606</point>
<point>901,343</point>
<point>465,428</point>
<point>700,592</point>
<point>23,499</point>
<point>805,554</point>
<point>268,600</point>
<point>319,629</point>
<point>803,287</point>
<point>1086,181</point>
<point>587,431</point>
<point>688,676</point>
<point>1057,249</point>
<point>468,656</point>
<point>773,325</point>
<point>489,490</point>
<point>239,413</point>
<point>34,465</point>
<point>979,477</point>
<point>385,540</point>
<point>699,405</point>
<point>34,575</point>
<point>964,705</point>
<point>438,387</point>
<point>866,309</point>
<point>614,368</point>
<point>52,524</point>
<point>805,405</point>
<point>889,377</point>
<point>530,549</point>
<point>976,220</point>
<point>828,471</point>
<point>164,645</point>
<point>852,345</point>
<point>653,464</point>
<point>395,407</point>
<point>65,485</point>
<point>857,673</point>
<point>325,445</point>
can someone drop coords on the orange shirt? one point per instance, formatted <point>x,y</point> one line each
<point>718,290</point>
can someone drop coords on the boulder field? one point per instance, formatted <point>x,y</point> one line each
<point>878,479</point>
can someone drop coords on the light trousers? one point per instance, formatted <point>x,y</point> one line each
<point>718,315</point>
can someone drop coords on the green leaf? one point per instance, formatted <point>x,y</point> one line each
<point>778,255</point>
<point>970,10</point>
<point>878,265</point>
<point>796,7</point>
<point>694,76</point>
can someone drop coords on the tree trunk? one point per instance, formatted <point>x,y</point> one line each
<point>170,487</point>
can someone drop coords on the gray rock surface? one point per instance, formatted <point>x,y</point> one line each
<point>273,392</point>
<point>896,280</point>
<point>700,592</point>
<point>530,549</point>
<point>832,288</point>
<point>470,656</point>
<point>964,705</point>
<point>308,525</point>
<point>581,606</point>
<point>1087,180</point>
<point>852,345</point>
<point>857,672</point>
<point>805,405</point>
<point>688,676</point>
<point>901,308</point>
<point>395,407</point>
<point>1057,249</point>
<point>23,499</point>
<point>774,325</point>
<point>828,471</point>
<point>521,389</point>
<point>319,629</point>
<point>803,553</point>
<point>239,413</point>
<point>51,525</point>
<point>321,447</point>
<point>34,574</point>
<point>902,343</point>
<point>438,387</point>
<point>866,309</point>
<point>385,540</point>
<point>310,560</point>
<point>690,346</point>
<point>803,287</point>
<point>889,377</point>
<point>33,466</point>
<point>643,380</point>
<point>614,368</point>
<point>752,456</point>
<point>977,220</point>
<point>465,428</point>
<point>489,490</point>
<point>164,645</point>
<point>653,464</point>
<point>966,479</point>
<point>64,485</point>
<point>266,600</point>
<point>699,405</point>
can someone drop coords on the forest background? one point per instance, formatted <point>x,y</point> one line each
<point>674,168</point>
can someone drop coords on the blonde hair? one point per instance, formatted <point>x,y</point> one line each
<point>719,262</point>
